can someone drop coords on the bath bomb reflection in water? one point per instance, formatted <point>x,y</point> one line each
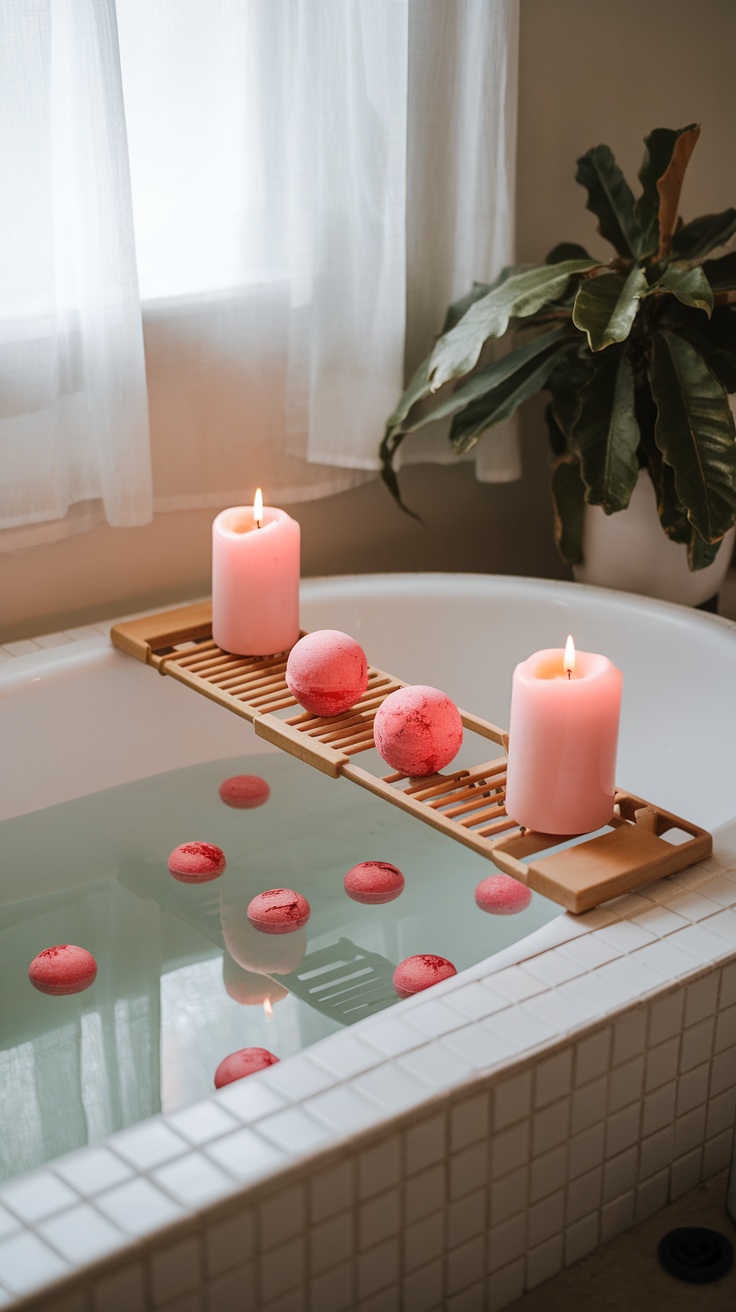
<point>418,730</point>
<point>278,911</point>
<point>501,895</point>
<point>374,882</point>
<point>62,969</point>
<point>263,954</point>
<point>244,791</point>
<point>327,672</point>
<point>249,989</point>
<point>196,863</point>
<point>244,1062</point>
<point>421,972</point>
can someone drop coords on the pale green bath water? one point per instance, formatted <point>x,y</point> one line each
<point>172,997</point>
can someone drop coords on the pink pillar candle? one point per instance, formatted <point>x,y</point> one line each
<point>563,736</point>
<point>255,581</point>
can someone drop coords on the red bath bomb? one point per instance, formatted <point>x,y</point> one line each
<point>502,896</point>
<point>63,969</point>
<point>196,863</point>
<point>278,911</point>
<point>373,882</point>
<point>244,791</point>
<point>418,730</point>
<point>244,1062</point>
<point>327,672</point>
<point>417,973</point>
<point>263,954</point>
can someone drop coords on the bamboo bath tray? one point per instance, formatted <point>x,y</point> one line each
<point>467,805</point>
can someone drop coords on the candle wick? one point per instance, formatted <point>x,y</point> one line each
<point>569,672</point>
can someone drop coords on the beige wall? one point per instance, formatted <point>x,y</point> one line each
<point>590,71</point>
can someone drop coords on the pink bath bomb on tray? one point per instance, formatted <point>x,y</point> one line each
<point>278,911</point>
<point>327,672</point>
<point>421,972</point>
<point>196,863</point>
<point>62,969</point>
<point>246,1061</point>
<point>244,791</point>
<point>418,730</point>
<point>374,882</point>
<point>501,895</point>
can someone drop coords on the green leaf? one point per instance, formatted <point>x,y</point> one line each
<point>569,504</point>
<point>694,239</point>
<point>605,307</point>
<point>566,250</point>
<point>660,145</point>
<point>610,198</point>
<point>418,388</point>
<point>695,433</point>
<point>606,433</point>
<point>502,401</point>
<point>701,554</point>
<point>522,294</point>
<point>566,383</point>
<point>387,451</point>
<point>456,311</point>
<point>721,274</point>
<point>714,340</point>
<point>557,439</point>
<point>669,186</point>
<point>672,513</point>
<point>689,286</point>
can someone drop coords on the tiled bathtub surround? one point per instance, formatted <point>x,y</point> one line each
<point>448,1154</point>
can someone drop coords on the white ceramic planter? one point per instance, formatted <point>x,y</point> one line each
<point>629,551</point>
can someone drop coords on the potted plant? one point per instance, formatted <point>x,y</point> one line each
<point>638,355</point>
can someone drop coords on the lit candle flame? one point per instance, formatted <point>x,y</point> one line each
<point>268,1008</point>
<point>258,507</point>
<point>569,661</point>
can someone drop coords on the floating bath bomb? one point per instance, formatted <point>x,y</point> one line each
<point>248,988</point>
<point>244,791</point>
<point>196,863</point>
<point>502,896</point>
<point>62,969</point>
<point>374,882</point>
<point>244,1062</point>
<point>264,954</point>
<point>417,973</point>
<point>278,911</point>
<point>418,730</point>
<point>327,672</point>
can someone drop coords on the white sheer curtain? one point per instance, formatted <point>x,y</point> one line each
<point>313,181</point>
<point>73,410</point>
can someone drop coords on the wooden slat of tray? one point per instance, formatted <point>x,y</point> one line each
<point>467,805</point>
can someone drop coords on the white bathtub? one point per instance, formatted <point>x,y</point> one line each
<point>464,1146</point>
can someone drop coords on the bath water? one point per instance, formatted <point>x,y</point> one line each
<point>183,979</point>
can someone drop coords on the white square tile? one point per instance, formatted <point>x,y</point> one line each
<point>512,1099</point>
<point>629,905</point>
<point>553,1078</point>
<point>33,1197</point>
<point>283,1215</point>
<point>685,1173</point>
<point>282,1269</point>
<point>379,1166</point>
<point>294,1131</point>
<point>479,1046</point>
<point>250,1099</point>
<point>667,959</point>
<point>505,1285</point>
<point>229,1242</point>
<point>432,1018</point>
<point>721,890</point>
<point>725,1034</point>
<point>333,1291</point>
<point>586,1151</point>
<point>53,640</point>
<point>722,1071</point>
<point>506,1241</point>
<point>594,991</point>
<point>424,1193</point>
<point>619,1174</point>
<point>175,1269</point>
<point>692,1089</point>
<point>437,1065</point>
<point>425,1143</point>
<point>617,1216</point>
<point>378,1267</point>
<point>122,1292</point>
<point>721,1113</point>
<point>656,1152</point>
<point>475,1001</point>
<point>666,1016</point>
<point>386,1300</point>
<point>463,1267</point>
<point>390,1087</point>
<point>424,1241</point>
<point>660,921</point>
<point>331,1190</point>
<point>23,647</point>
<point>554,967</point>
<point>727,995</point>
<point>297,1078</point>
<point>466,1218</point>
<point>659,1108</point>
<point>390,1035</point>
<point>589,1104</point>
<point>652,1195</point>
<point>701,998</point>
<point>469,1121</point>
<point>148,1144</point>
<point>581,1239</point>
<point>345,1055</point>
<point>26,1262</point>
<point>330,1242</point>
<point>509,1195</point>
<point>345,1110</point>
<point>468,1170</point>
<point>697,1044</point>
<point>546,1218</point>
<point>520,1028</point>
<point>561,1017</point>
<point>590,951</point>
<point>202,1121</point>
<point>193,1180</point>
<point>689,1131</point>
<point>631,975</point>
<point>626,935</point>
<point>544,1261</point>
<point>234,1291</point>
<point>625,1084</point>
<point>622,1129</point>
<point>724,923</point>
<point>80,1234</point>
<point>550,1126</point>
<point>717,1154</point>
<point>137,1207</point>
<point>629,1035</point>
<point>378,1219</point>
<point>692,906</point>
<point>584,1194</point>
<point>419,1290</point>
<point>8,1224</point>
<point>92,1169</point>
<point>547,1173</point>
<point>64,1303</point>
<point>510,1149</point>
<point>515,984</point>
<point>702,944</point>
<point>592,1056</point>
<point>245,1155</point>
<point>661,1064</point>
